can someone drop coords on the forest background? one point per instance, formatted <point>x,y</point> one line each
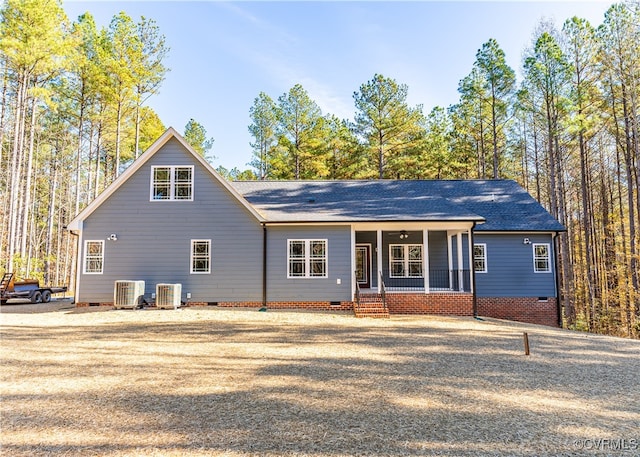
<point>75,113</point>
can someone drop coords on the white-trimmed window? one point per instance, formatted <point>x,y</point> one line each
<point>541,258</point>
<point>172,183</point>
<point>307,258</point>
<point>200,256</point>
<point>93,257</point>
<point>405,260</point>
<point>480,258</point>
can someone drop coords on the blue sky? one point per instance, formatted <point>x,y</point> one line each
<point>223,54</point>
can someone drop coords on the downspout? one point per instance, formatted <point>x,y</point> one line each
<point>473,272</point>
<point>264,267</point>
<point>557,277</point>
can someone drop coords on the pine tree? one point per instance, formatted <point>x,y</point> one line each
<point>386,124</point>
<point>499,82</point>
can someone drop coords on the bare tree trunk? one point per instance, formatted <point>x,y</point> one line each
<point>3,109</point>
<point>483,153</point>
<point>586,222</point>
<point>137,139</point>
<point>28,178</point>
<point>536,156</point>
<point>53,188</point>
<point>79,156</point>
<point>96,186</point>
<point>116,172</point>
<point>89,189</point>
<point>629,169</point>
<point>16,170</point>
<point>494,129</point>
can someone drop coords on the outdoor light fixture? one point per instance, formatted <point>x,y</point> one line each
<point>403,235</point>
<point>526,241</point>
<point>113,237</point>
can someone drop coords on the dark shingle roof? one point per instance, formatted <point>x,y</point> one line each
<point>500,204</point>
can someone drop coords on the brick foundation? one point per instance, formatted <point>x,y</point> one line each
<point>521,309</point>
<point>87,304</point>
<point>313,305</point>
<point>448,304</point>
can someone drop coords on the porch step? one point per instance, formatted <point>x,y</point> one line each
<point>376,314</point>
<point>370,298</point>
<point>371,305</point>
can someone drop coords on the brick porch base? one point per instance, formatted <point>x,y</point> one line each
<point>447,304</point>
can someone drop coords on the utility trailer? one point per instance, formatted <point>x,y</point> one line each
<point>28,289</point>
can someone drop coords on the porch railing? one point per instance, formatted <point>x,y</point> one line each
<point>439,280</point>
<point>357,291</point>
<point>383,292</point>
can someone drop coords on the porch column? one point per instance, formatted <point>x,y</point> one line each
<point>450,256</point>
<point>471,264</point>
<point>354,280</point>
<point>460,262</point>
<point>425,259</point>
<point>378,259</point>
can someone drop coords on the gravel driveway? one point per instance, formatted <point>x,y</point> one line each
<point>230,382</point>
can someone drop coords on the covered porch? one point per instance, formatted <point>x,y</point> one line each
<point>416,258</point>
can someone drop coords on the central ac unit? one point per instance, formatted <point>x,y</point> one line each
<point>128,294</point>
<point>168,296</point>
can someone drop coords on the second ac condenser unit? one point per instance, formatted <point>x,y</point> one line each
<point>128,294</point>
<point>168,295</point>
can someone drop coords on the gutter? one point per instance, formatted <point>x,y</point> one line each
<point>370,221</point>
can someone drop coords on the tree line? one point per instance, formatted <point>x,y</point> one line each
<point>74,114</point>
<point>567,132</point>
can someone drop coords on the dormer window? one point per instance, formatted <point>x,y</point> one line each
<point>172,183</point>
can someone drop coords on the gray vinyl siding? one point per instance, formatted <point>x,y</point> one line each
<point>438,251</point>
<point>154,238</point>
<point>281,288</point>
<point>510,267</point>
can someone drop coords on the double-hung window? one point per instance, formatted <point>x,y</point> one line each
<point>405,260</point>
<point>200,256</point>
<point>541,258</point>
<point>172,183</point>
<point>480,258</point>
<point>93,256</point>
<point>307,259</point>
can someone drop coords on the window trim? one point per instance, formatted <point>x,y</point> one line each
<point>484,257</point>
<point>192,257</point>
<point>307,258</point>
<point>172,183</point>
<point>405,260</point>
<point>547,258</point>
<point>87,257</point>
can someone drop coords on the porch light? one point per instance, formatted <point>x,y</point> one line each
<point>403,235</point>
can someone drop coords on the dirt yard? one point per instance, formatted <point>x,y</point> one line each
<point>226,382</point>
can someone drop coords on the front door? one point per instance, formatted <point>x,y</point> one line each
<point>363,265</point>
